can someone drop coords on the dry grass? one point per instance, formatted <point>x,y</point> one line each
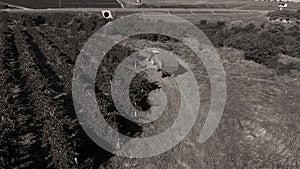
<point>259,127</point>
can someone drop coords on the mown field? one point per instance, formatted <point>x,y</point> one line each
<point>39,127</point>
<point>38,119</point>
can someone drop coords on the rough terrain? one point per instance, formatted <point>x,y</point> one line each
<point>39,129</point>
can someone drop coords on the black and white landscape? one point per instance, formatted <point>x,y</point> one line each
<point>259,47</point>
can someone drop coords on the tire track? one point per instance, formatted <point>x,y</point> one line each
<point>70,147</point>
<point>97,153</point>
<point>68,50</point>
<point>21,135</point>
<point>8,125</point>
<point>46,87</point>
<point>58,60</point>
<point>114,120</point>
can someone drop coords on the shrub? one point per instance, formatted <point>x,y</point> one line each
<point>284,14</point>
<point>39,20</point>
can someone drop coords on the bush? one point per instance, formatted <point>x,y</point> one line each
<point>263,43</point>
<point>284,14</point>
<point>39,20</point>
<point>262,51</point>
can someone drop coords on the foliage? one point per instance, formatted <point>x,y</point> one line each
<point>284,14</point>
<point>261,43</point>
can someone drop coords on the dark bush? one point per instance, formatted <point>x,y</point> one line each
<point>262,51</point>
<point>39,20</point>
<point>261,44</point>
<point>284,14</point>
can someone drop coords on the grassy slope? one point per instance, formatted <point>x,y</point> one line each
<point>259,127</point>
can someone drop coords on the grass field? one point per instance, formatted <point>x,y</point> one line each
<point>241,4</point>
<point>269,6</point>
<point>65,3</point>
<point>225,17</point>
<point>39,128</point>
<point>187,1</point>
